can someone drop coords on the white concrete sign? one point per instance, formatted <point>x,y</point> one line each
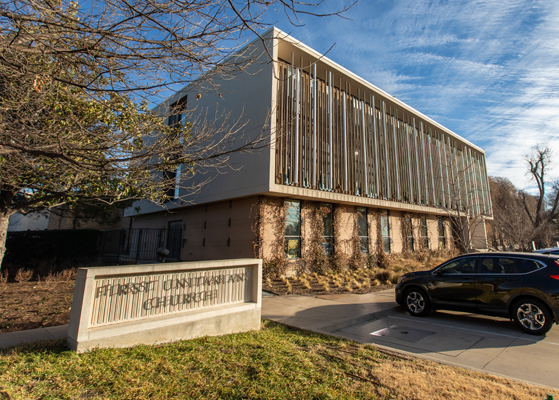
<point>126,305</point>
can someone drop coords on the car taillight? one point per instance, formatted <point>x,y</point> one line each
<point>554,277</point>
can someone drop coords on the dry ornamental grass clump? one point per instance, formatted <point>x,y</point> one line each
<point>24,275</point>
<point>359,280</point>
<point>384,275</point>
<point>289,287</point>
<point>67,275</point>
<point>395,278</point>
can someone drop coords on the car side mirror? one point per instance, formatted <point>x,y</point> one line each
<point>438,272</point>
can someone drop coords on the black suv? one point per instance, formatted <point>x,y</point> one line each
<point>520,286</point>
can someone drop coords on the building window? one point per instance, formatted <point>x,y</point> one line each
<point>442,234</point>
<point>363,229</point>
<point>424,232</point>
<point>385,230</point>
<point>293,229</point>
<point>409,234</point>
<point>328,221</point>
<point>177,113</point>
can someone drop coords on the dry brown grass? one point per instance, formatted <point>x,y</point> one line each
<point>421,379</point>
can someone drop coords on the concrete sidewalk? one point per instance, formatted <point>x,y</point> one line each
<point>12,339</point>
<point>327,313</point>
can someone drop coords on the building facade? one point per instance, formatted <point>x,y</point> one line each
<point>348,166</point>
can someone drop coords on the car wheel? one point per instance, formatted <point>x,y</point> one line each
<point>417,302</point>
<point>532,316</point>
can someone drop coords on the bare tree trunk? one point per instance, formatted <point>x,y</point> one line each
<point>4,222</point>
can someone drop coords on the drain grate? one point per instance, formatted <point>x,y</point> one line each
<point>403,333</point>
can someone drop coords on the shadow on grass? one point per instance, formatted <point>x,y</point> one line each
<point>58,346</point>
<point>54,346</point>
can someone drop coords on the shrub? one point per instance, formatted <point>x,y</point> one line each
<point>274,266</point>
<point>384,275</point>
<point>53,251</point>
<point>382,260</point>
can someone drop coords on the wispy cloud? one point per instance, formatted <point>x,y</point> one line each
<point>487,70</point>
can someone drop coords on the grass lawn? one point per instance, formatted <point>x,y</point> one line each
<point>274,363</point>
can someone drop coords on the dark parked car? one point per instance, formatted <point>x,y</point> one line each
<point>520,286</point>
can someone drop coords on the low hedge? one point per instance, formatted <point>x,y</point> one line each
<point>49,251</point>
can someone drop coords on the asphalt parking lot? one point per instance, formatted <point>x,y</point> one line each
<point>487,344</point>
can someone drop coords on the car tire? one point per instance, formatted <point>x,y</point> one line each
<point>532,316</point>
<point>417,302</point>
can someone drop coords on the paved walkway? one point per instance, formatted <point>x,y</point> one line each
<point>327,313</point>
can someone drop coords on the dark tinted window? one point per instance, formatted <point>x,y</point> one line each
<point>498,265</point>
<point>462,266</point>
<point>505,265</point>
<point>525,266</point>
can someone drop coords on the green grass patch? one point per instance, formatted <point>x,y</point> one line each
<point>274,363</point>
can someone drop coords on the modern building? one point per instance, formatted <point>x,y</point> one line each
<point>345,158</point>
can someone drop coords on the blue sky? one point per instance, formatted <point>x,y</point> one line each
<point>488,70</point>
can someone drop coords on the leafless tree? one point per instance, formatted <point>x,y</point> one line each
<point>72,74</point>
<point>539,162</point>
<point>510,226</point>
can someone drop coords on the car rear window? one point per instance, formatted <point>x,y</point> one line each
<point>525,266</point>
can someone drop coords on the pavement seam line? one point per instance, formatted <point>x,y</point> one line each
<point>496,355</point>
